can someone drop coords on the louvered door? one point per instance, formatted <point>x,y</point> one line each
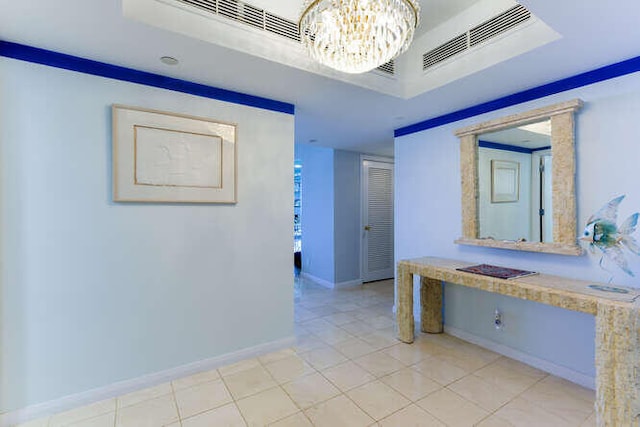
<point>377,247</point>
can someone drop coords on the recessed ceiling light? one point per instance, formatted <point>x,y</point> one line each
<point>169,60</point>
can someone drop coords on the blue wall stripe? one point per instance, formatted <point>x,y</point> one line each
<point>541,149</point>
<point>598,75</point>
<point>504,147</point>
<point>87,66</point>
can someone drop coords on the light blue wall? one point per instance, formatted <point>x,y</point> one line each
<point>330,213</point>
<point>317,215</point>
<point>94,292</point>
<point>428,220</point>
<point>347,215</point>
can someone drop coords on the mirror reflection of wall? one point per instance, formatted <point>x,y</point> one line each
<point>514,183</point>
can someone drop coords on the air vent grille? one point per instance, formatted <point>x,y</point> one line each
<point>210,6</point>
<point>389,67</point>
<point>282,27</point>
<point>483,32</point>
<point>245,13</point>
<point>499,24</point>
<point>444,51</point>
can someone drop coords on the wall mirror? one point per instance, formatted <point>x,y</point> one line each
<point>518,181</point>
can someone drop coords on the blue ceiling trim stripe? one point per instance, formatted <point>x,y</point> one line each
<point>87,66</point>
<point>504,147</point>
<point>598,75</point>
<point>541,148</point>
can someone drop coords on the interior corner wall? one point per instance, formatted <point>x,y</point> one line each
<point>95,292</point>
<point>317,213</point>
<point>347,216</point>
<point>429,220</point>
<point>330,215</point>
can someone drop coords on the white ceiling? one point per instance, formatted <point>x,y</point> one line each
<point>519,137</point>
<point>334,113</point>
<point>435,12</point>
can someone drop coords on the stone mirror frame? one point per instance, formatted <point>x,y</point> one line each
<point>563,178</point>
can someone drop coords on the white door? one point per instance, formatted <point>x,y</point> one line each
<point>377,220</point>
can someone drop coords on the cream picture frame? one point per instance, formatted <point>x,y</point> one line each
<point>505,181</point>
<point>163,157</point>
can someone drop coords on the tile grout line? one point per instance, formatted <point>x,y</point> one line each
<point>115,416</point>
<point>376,378</point>
<point>175,402</point>
<point>233,399</point>
<point>492,413</point>
<point>264,365</point>
<point>362,385</point>
<point>332,397</point>
<point>423,397</point>
<point>539,406</point>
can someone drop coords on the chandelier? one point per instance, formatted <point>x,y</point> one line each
<point>356,36</point>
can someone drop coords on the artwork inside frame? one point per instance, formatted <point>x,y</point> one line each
<point>165,157</point>
<point>505,181</point>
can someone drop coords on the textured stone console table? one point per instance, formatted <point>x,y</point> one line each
<point>617,337</point>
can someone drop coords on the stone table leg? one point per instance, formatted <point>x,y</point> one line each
<point>431,305</point>
<point>404,311</point>
<point>617,365</point>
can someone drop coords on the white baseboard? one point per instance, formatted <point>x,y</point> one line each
<point>348,284</point>
<point>319,281</point>
<point>123,387</point>
<point>329,284</point>
<point>544,365</point>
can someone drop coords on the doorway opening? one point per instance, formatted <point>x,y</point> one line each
<point>297,215</point>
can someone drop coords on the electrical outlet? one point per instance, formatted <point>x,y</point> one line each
<point>497,320</point>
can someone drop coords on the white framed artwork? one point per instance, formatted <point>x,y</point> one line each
<point>166,157</point>
<point>505,181</point>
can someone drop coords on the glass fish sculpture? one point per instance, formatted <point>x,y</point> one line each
<point>602,232</point>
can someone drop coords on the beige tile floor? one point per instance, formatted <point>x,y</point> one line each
<point>347,369</point>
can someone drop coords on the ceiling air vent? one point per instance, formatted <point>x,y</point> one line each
<point>444,51</point>
<point>483,32</point>
<point>242,12</point>
<point>499,24</point>
<point>388,68</point>
<point>282,27</point>
<point>245,13</point>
